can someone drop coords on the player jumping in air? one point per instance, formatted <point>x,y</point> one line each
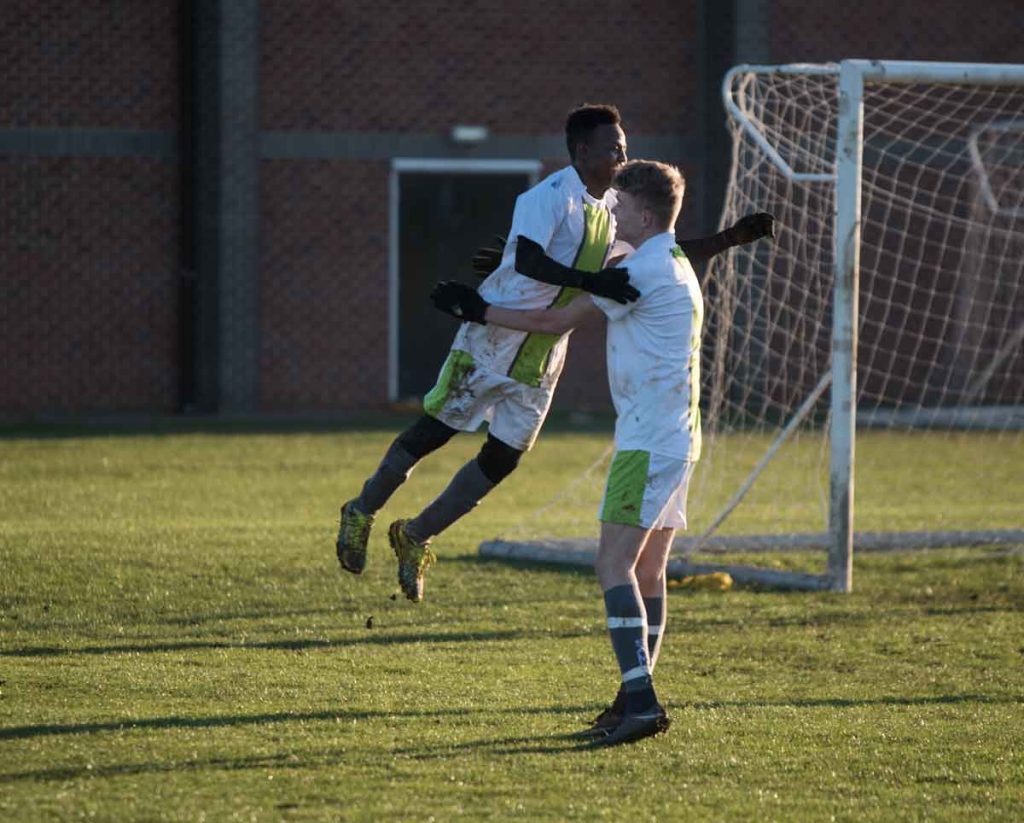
<point>508,377</point>
<point>653,348</point>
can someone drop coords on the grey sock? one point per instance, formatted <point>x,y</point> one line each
<point>628,630</point>
<point>655,608</point>
<point>469,486</point>
<point>392,473</point>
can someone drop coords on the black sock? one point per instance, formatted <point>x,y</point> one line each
<point>464,492</point>
<point>641,701</point>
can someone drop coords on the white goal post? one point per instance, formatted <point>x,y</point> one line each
<point>847,174</point>
<point>898,188</point>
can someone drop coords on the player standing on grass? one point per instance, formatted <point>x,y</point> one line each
<point>653,348</point>
<point>507,377</point>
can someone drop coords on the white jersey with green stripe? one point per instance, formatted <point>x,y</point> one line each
<point>654,353</point>
<point>576,230</point>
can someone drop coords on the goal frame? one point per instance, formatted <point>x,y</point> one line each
<point>853,74</point>
<point>847,176</point>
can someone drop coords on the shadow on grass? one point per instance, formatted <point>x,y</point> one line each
<point>273,645</point>
<point>558,743</point>
<point>704,618</point>
<point>847,703</point>
<point>47,730</point>
<point>225,617</point>
<point>276,761</point>
<point>284,761</point>
<point>543,744</point>
<point>564,742</point>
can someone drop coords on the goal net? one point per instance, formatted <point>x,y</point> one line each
<point>879,337</point>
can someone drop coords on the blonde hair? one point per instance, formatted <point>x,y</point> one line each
<point>658,186</point>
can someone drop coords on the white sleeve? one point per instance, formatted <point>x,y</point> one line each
<point>537,215</point>
<point>612,309</point>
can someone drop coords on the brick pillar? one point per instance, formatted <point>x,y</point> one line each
<point>223,298</point>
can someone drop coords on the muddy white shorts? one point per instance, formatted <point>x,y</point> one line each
<point>647,490</point>
<point>466,395</point>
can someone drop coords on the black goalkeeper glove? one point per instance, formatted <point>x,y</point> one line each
<point>488,258</point>
<point>750,228</point>
<point>534,263</point>
<point>745,230</point>
<point>460,301</point>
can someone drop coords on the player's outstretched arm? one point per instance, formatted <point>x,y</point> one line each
<point>464,303</point>
<point>746,230</point>
<point>612,283</point>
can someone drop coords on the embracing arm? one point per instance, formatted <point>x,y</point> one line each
<point>465,303</point>
<point>745,230</point>
<point>545,321</point>
<point>533,262</point>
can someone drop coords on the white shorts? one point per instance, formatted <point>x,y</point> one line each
<point>647,490</point>
<point>466,395</point>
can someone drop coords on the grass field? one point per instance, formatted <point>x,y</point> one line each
<point>179,644</point>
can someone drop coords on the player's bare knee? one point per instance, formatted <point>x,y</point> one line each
<point>497,460</point>
<point>612,568</point>
<point>650,575</point>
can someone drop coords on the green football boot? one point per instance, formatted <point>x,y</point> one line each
<point>353,535</point>
<point>413,559</point>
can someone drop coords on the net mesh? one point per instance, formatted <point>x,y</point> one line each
<point>941,302</point>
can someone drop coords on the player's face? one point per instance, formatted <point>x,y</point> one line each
<point>602,155</point>
<point>630,218</point>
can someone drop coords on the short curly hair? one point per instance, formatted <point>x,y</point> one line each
<point>584,119</point>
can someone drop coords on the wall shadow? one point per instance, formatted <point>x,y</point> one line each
<point>274,645</point>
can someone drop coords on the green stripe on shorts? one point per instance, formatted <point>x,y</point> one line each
<point>627,482</point>
<point>532,359</point>
<point>456,368</point>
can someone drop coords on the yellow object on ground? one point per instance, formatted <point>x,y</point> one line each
<point>715,581</point>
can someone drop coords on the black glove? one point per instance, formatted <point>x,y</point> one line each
<point>534,263</point>
<point>745,230</point>
<point>488,258</point>
<point>752,227</point>
<point>460,301</point>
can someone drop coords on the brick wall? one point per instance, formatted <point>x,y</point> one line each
<point>89,64</point>
<point>948,30</point>
<point>323,285</point>
<point>88,316</point>
<point>514,67</point>
<point>88,244</point>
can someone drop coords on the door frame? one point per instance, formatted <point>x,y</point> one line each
<point>530,168</point>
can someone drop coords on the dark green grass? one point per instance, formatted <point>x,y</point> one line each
<point>177,641</point>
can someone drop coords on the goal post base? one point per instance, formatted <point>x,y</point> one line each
<point>580,552</point>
